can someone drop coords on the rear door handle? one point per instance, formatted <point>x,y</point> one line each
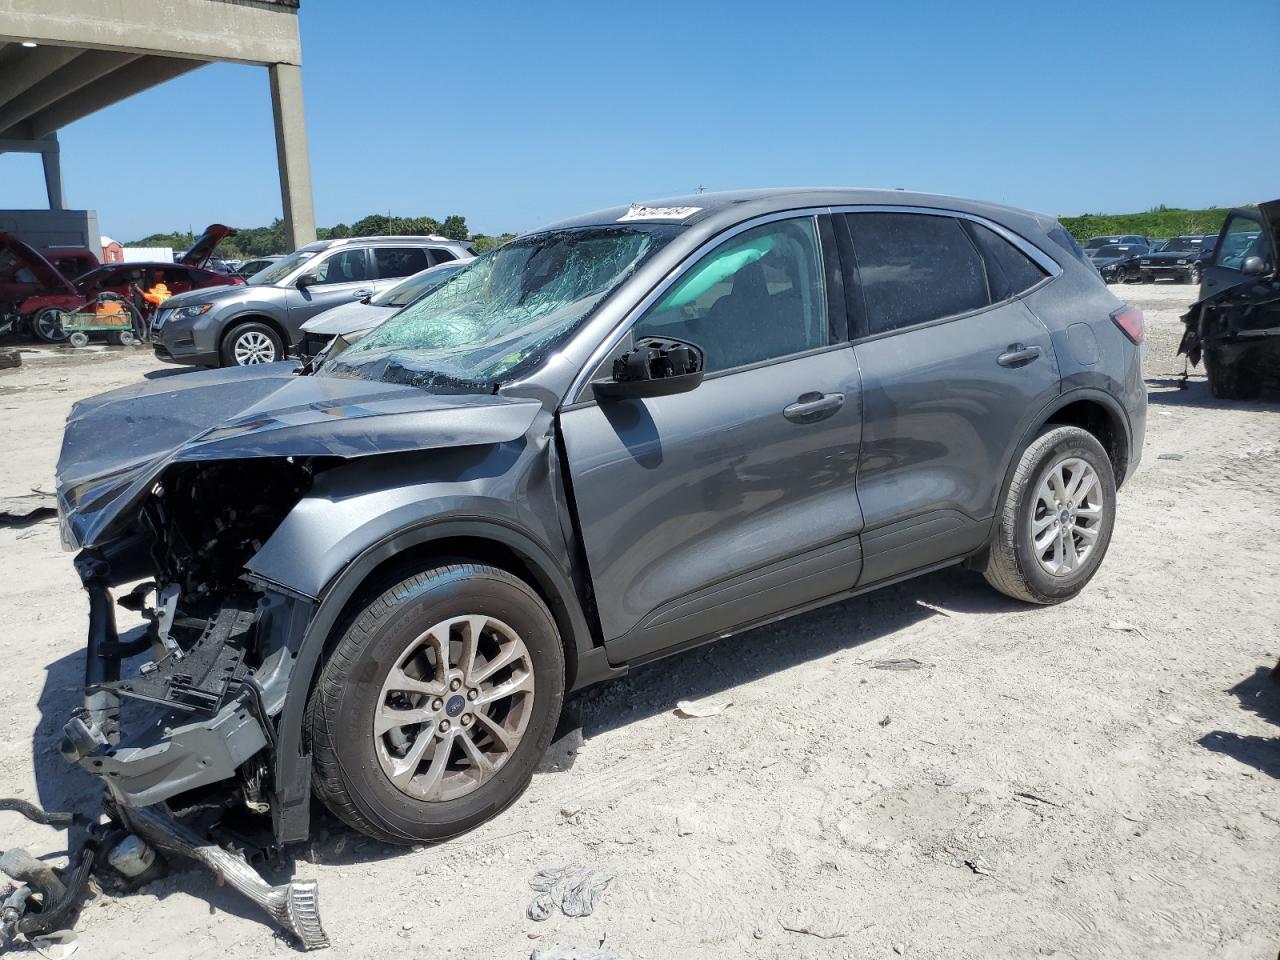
<point>812,407</point>
<point>1018,355</point>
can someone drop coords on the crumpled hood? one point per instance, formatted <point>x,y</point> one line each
<point>347,318</point>
<point>117,444</point>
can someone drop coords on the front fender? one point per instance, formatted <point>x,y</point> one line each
<point>361,514</point>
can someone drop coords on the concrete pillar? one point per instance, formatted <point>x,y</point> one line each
<point>291,154</point>
<point>52,157</point>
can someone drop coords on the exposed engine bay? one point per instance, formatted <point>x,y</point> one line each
<point>175,719</point>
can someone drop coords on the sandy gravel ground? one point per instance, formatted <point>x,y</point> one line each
<point>1094,780</point>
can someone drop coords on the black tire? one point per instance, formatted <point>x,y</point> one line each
<point>1193,275</point>
<point>1146,277</point>
<point>241,332</point>
<point>347,775</point>
<point>1230,379</point>
<point>1122,275</point>
<point>47,325</point>
<point>1012,567</point>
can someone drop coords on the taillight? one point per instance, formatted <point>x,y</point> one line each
<point>1130,320</point>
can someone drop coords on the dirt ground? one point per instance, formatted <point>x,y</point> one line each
<point>1094,780</point>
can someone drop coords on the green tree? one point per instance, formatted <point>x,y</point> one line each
<point>454,227</point>
<point>483,243</point>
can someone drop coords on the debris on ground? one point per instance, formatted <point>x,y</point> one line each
<point>886,721</point>
<point>1122,626</point>
<point>575,889</point>
<point>26,509</point>
<point>563,952</point>
<point>698,709</point>
<point>903,663</point>
<point>9,359</point>
<point>1171,456</point>
<point>822,927</point>
<point>978,866</point>
<point>1026,797</point>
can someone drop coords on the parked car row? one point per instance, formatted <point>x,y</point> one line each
<point>260,320</point>
<point>1131,258</point>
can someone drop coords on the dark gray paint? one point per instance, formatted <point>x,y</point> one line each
<point>699,513</point>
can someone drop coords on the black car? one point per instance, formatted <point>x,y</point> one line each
<point>1235,325</point>
<point>1094,243</point>
<point>1118,262</point>
<point>1179,259</point>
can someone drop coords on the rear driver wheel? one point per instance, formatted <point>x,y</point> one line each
<point>47,325</point>
<point>436,705</point>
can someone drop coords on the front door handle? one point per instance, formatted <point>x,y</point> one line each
<point>812,407</point>
<point>1018,355</point>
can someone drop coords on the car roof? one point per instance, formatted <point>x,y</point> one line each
<point>424,240</point>
<point>721,209</point>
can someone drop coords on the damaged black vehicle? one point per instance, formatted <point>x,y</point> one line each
<point>1234,328</point>
<point>373,579</point>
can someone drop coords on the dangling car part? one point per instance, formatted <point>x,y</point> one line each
<point>1234,328</point>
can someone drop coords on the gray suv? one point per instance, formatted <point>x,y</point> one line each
<point>621,436</point>
<point>261,321</point>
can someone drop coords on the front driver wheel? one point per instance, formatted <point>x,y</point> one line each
<point>250,344</point>
<point>436,705</point>
<point>1056,520</point>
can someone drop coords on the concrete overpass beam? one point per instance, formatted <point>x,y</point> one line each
<point>291,153</point>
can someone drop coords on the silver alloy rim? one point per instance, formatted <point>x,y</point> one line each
<point>453,708</point>
<point>1067,517</point>
<point>254,346</point>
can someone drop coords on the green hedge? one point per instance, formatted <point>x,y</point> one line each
<point>1160,222</point>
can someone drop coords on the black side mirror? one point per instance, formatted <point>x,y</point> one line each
<point>304,281</point>
<point>1253,267</point>
<point>654,367</point>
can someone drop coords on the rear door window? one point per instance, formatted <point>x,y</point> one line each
<point>1009,270</point>
<point>439,256</point>
<point>758,296</point>
<point>396,262</point>
<point>914,268</point>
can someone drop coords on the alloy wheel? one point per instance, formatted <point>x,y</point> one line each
<point>454,707</point>
<point>253,346</point>
<point>48,325</point>
<point>1067,516</point>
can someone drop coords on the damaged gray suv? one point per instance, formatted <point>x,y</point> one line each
<point>375,580</point>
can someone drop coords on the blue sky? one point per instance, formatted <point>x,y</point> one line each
<point>515,114</point>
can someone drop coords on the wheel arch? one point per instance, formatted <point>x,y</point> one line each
<point>239,320</point>
<point>476,539</point>
<point>1100,415</point>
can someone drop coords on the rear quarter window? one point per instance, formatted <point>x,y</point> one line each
<point>914,268</point>
<point>1009,270</point>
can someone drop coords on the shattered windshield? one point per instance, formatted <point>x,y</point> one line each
<point>502,315</point>
<point>406,291</point>
<point>280,269</point>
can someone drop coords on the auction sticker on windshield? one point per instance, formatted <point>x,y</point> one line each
<point>638,212</point>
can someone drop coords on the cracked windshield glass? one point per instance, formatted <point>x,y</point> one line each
<point>502,315</point>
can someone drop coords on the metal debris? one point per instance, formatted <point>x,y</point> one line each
<point>698,709</point>
<point>575,889</point>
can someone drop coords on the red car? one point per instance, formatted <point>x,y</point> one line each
<point>34,293</point>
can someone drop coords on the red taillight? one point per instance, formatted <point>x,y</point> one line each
<point>1130,320</point>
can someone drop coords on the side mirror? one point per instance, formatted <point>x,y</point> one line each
<point>1253,267</point>
<point>654,367</point>
<point>304,281</point>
